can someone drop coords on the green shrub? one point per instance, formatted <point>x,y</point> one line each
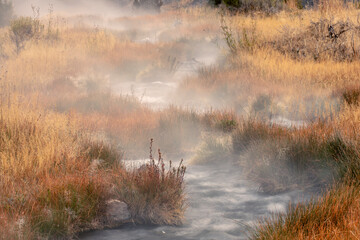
<point>22,30</point>
<point>6,12</point>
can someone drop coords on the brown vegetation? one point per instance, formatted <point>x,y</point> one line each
<point>58,115</point>
<point>155,195</point>
<point>59,163</point>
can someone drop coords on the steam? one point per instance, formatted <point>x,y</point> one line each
<point>102,8</point>
<point>175,53</point>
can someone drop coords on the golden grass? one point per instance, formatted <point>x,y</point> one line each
<point>56,117</point>
<point>262,82</point>
<point>302,88</point>
<point>267,73</point>
<point>333,216</point>
<point>277,69</point>
<point>40,149</point>
<point>53,121</point>
<point>22,128</point>
<point>49,185</point>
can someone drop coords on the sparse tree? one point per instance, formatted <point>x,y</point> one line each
<point>22,29</point>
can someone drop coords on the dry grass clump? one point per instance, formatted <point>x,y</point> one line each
<point>213,149</point>
<point>225,121</point>
<point>324,39</point>
<point>51,187</point>
<point>155,194</point>
<point>311,158</point>
<point>45,185</point>
<point>69,204</point>
<point>281,71</point>
<point>22,128</point>
<point>351,95</point>
<point>252,130</point>
<point>280,158</point>
<point>333,216</point>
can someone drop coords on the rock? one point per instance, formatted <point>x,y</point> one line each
<point>117,212</point>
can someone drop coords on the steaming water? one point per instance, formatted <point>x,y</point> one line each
<point>281,121</point>
<point>158,92</point>
<point>222,205</point>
